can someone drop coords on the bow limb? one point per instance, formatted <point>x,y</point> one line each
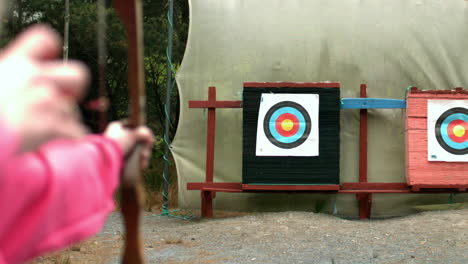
<point>102,103</point>
<point>130,12</point>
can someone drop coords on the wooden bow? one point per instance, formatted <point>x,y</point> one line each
<point>131,14</point>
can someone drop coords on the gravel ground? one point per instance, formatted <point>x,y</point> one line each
<point>287,237</point>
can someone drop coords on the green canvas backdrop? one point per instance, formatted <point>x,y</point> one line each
<point>388,45</point>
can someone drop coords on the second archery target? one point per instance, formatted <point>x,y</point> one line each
<point>447,130</point>
<point>288,125</point>
<point>291,133</point>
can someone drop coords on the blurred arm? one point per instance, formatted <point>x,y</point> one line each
<point>9,144</point>
<point>55,196</point>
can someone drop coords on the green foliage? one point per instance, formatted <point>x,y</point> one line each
<point>83,47</point>
<point>152,176</point>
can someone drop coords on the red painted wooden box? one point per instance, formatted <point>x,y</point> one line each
<point>420,172</point>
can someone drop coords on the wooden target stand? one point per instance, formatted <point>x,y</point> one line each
<point>363,189</point>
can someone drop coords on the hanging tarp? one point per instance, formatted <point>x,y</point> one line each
<point>388,45</point>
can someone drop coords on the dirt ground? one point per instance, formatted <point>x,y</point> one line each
<point>288,237</point>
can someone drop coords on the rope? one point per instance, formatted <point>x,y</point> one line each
<point>407,90</point>
<point>169,86</point>
<point>171,72</point>
<point>451,198</point>
<point>169,61</point>
<point>335,208</point>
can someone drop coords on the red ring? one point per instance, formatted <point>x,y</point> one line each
<point>452,136</point>
<point>283,132</point>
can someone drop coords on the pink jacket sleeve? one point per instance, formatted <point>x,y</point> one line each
<point>9,144</point>
<point>53,197</point>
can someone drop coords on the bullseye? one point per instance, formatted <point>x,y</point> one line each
<point>287,125</point>
<point>287,128</point>
<point>457,131</point>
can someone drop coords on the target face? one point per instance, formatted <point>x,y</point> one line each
<point>452,130</point>
<point>448,119</point>
<point>288,125</point>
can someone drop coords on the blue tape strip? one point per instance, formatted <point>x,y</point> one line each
<point>366,103</point>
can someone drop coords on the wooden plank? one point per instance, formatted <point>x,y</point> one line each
<point>435,93</point>
<point>365,205</point>
<point>292,84</point>
<point>417,101</point>
<point>207,204</point>
<point>416,123</point>
<point>221,190</point>
<point>417,107</point>
<point>373,191</point>
<point>254,187</point>
<point>214,185</point>
<point>364,200</point>
<point>417,140</point>
<point>363,138</point>
<point>216,104</point>
<point>374,186</point>
<point>420,171</point>
<point>210,136</point>
<point>368,103</point>
<point>441,96</point>
<point>458,187</point>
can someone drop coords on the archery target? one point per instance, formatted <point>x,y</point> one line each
<point>288,125</point>
<point>447,130</point>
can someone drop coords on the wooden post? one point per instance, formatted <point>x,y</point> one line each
<point>210,135</point>
<point>207,196</point>
<point>363,138</point>
<point>365,199</point>
<point>207,204</point>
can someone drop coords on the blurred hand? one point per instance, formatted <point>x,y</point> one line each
<point>127,139</point>
<point>39,93</point>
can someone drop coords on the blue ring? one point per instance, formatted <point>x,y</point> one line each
<point>270,128</point>
<point>278,113</point>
